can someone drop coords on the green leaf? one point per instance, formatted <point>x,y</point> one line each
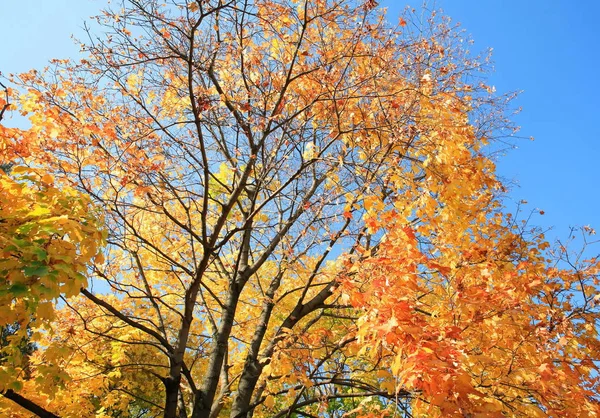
<point>21,243</point>
<point>36,270</point>
<point>41,254</point>
<point>16,385</point>
<point>18,289</point>
<point>49,229</point>
<point>25,228</point>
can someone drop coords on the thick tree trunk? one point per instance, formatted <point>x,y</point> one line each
<point>171,395</point>
<point>177,357</point>
<point>252,368</point>
<point>206,395</point>
<point>246,387</point>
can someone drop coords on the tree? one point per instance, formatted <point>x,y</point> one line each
<point>302,220</point>
<point>48,235</point>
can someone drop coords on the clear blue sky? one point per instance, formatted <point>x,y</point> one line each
<point>550,49</point>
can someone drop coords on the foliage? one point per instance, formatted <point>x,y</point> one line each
<point>47,236</point>
<point>302,221</point>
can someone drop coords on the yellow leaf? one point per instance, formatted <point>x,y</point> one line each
<point>45,310</point>
<point>269,401</point>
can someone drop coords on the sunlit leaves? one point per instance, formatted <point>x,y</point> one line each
<point>48,237</point>
<point>302,217</point>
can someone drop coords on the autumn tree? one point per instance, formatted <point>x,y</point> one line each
<point>302,221</point>
<point>48,235</point>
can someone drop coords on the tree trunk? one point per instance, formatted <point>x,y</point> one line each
<point>206,395</point>
<point>252,368</point>
<point>171,395</point>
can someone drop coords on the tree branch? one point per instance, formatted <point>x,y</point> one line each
<point>28,404</point>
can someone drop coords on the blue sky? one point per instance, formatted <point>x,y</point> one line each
<point>550,49</point>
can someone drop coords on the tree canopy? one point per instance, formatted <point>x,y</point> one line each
<point>277,208</point>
